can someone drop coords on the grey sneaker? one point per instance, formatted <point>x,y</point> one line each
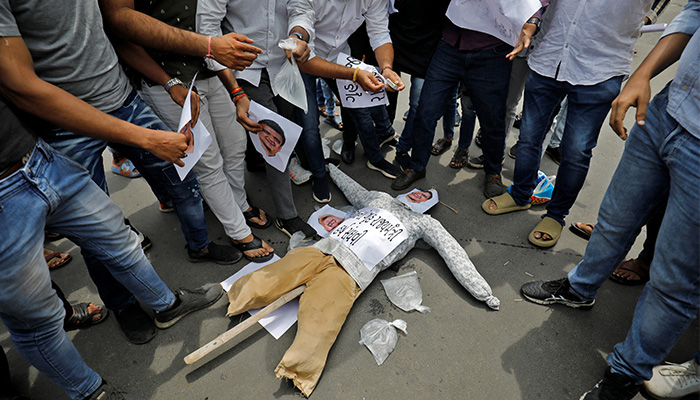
<point>553,292</point>
<point>478,162</point>
<point>674,381</point>
<point>298,174</point>
<point>190,300</point>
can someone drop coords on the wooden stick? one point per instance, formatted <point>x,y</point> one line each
<point>233,332</point>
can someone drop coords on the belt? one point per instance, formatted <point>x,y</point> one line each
<point>9,171</point>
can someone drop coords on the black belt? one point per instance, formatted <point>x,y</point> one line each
<point>11,170</point>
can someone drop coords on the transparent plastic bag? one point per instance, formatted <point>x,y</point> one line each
<point>297,240</point>
<point>380,337</point>
<point>405,292</point>
<point>544,189</point>
<point>288,81</point>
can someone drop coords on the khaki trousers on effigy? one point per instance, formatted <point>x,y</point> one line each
<point>324,305</point>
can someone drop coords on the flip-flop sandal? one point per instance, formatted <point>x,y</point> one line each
<point>505,204</point>
<point>634,266</point>
<point>255,212</point>
<point>255,244</point>
<point>580,232</point>
<point>56,259</point>
<point>547,226</point>
<point>441,146</point>
<point>51,236</point>
<point>82,318</point>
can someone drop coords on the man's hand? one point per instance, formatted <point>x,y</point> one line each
<point>301,52</point>
<point>242,107</point>
<point>523,40</point>
<point>389,74</point>
<point>368,81</point>
<point>178,94</point>
<point>168,146</point>
<point>636,93</point>
<point>234,51</point>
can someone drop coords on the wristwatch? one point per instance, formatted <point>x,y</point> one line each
<point>536,22</point>
<point>175,81</point>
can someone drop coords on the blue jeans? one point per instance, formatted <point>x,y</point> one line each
<point>54,192</point>
<point>588,106</point>
<point>484,76</point>
<point>661,158</point>
<point>370,123</point>
<point>311,134</point>
<point>324,96</point>
<point>160,175</point>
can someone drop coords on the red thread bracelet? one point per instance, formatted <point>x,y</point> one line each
<point>209,48</point>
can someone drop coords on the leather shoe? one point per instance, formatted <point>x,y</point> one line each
<point>406,179</point>
<point>347,154</point>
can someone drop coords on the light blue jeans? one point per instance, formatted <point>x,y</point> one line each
<point>54,192</point>
<point>660,158</point>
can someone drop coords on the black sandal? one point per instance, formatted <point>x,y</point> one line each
<point>82,318</point>
<point>254,244</point>
<point>254,212</point>
<point>441,146</point>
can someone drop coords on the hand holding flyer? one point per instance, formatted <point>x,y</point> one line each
<point>351,93</point>
<point>198,138</point>
<point>277,138</point>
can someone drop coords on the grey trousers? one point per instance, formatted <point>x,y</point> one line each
<point>279,183</point>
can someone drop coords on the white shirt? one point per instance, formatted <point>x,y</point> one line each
<point>588,41</point>
<point>265,21</point>
<point>336,20</point>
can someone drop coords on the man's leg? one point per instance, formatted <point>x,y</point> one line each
<point>485,80</point>
<point>542,96</point>
<point>444,73</point>
<point>184,194</point>
<point>518,75</point>
<point>311,135</point>
<point>214,182</point>
<point>279,183</point>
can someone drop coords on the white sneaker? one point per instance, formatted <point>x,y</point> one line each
<point>298,174</point>
<point>674,381</point>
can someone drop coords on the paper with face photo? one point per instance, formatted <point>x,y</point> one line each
<point>503,19</point>
<point>351,93</point>
<point>325,219</point>
<point>278,321</point>
<point>198,136</point>
<point>277,139</point>
<point>420,201</point>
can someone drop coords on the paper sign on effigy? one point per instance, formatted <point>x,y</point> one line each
<point>280,320</point>
<point>198,136</point>
<point>503,19</point>
<point>371,234</point>
<point>351,93</point>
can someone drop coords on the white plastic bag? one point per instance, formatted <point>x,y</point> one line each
<point>288,81</point>
<point>380,337</point>
<point>298,239</point>
<point>405,292</point>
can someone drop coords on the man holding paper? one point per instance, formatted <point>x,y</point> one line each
<point>475,42</point>
<point>68,74</point>
<point>266,23</point>
<point>584,53</point>
<point>330,42</point>
<point>164,76</point>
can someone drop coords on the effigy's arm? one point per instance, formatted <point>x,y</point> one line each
<point>458,261</point>
<point>357,195</point>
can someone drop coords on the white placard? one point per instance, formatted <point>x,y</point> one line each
<point>503,19</point>
<point>325,219</point>
<point>351,93</point>
<point>420,201</point>
<point>277,139</point>
<point>278,321</point>
<point>371,233</point>
<point>198,136</point>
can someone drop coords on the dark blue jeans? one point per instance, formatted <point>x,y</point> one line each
<point>160,175</point>
<point>587,109</point>
<point>484,76</point>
